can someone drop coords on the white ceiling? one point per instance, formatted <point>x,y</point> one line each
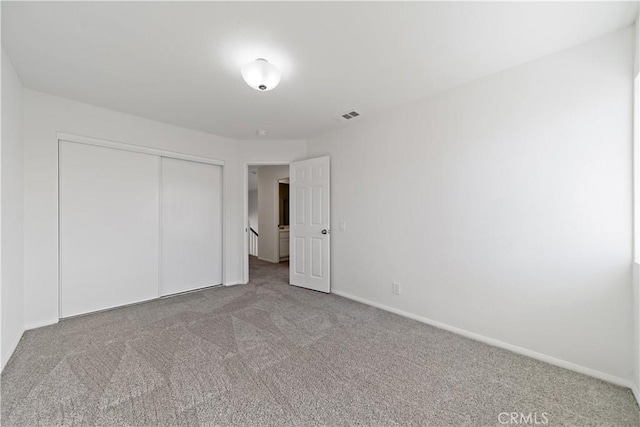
<point>179,62</point>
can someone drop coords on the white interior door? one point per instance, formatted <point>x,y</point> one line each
<point>191,234</point>
<point>109,224</point>
<point>309,261</point>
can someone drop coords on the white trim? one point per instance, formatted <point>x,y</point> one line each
<point>636,393</point>
<point>496,343</point>
<point>269,260</point>
<point>225,200</point>
<point>635,286</point>
<point>235,282</point>
<point>636,169</point>
<point>245,198</point>
<point>136,148</point>
<point>58,247</point>
<point>636,236</point>
<point>13,349</point>
<point>41,324</point>
<point>190,291</point>
<point>160,226</point>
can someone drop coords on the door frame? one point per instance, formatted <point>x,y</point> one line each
<point>245,198</point>
<point>62,136</point>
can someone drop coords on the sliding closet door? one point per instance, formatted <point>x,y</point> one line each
<point>191,231</point>
<point>109,221</point>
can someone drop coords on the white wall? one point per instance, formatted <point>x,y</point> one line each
<point>253,210</point>
<point>502,207</point>
<point>45,115</point>
<point>268,208</point>
<point>636,272</point>
<point>11,224</point>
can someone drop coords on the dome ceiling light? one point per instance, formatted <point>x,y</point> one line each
<point>261,75</point>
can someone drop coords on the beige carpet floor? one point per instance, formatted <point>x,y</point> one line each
<point>269,354</point>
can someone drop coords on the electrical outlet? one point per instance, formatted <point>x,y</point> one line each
<point>395,288</point>
<point>343,225</point>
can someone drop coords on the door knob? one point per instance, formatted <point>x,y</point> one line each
<point>325,231</point>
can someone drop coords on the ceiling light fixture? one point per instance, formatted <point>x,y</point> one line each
<point>261,132</point>
<point>261,75</point>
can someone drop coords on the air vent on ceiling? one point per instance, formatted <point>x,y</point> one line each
<point>350,115</point>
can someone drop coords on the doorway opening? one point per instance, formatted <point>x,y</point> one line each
<point>267,223</point>
<point>283,218</point>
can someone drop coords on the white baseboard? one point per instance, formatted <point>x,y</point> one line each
<point>234,283</point>
<point>37,325</point>
<point>636,393</point>
<point>497,343</point>
<point>269,260</point>
<point>13,348</point>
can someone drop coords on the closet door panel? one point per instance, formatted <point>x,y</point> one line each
<point>109,227</point>
<point>191,230</point>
